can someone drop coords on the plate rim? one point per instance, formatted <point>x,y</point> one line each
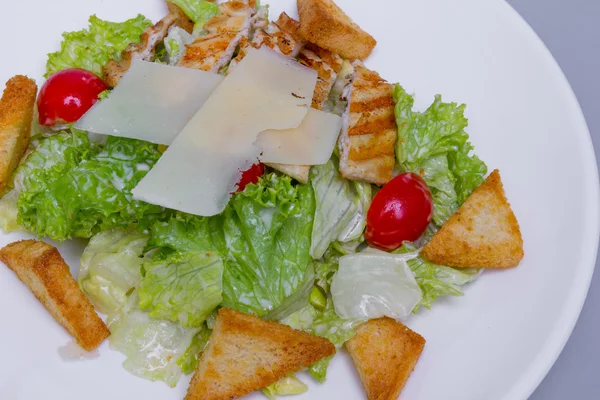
<point>566,321</point>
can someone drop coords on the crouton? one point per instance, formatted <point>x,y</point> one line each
<point>385,353</point>
<point>245,354</point>
<point>369,133</point>
<point>41,267</point>
<point>16,115</point>
<point>484,233</point>
<point>323,23</point>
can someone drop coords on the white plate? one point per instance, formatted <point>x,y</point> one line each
<point>496,342</point>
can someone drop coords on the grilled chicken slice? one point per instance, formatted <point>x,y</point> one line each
<point>144,50</point>
<point>271,36</point>
<point>214,50</point>
<point>279,39</point>
<point>327,65</point>
<point>369,131</point>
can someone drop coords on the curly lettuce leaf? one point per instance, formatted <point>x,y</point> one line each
<point>437,280</point>
<point>92,48</point>
<point>154,348</point>
<point>183,288</point>
<point>435,145</point>
<point>263,237</point>
<point>341,211</point>
<point>94,195</point>
<point>110,268</point>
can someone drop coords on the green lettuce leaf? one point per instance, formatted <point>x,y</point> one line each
<point>435,145</point>
<point>199,11</point>
<point>437,280</point>
<point>326,324</point>
<point>285,386</point>
<point>341,211</point>
<point>80,199</point>
<point>263,237</point>
<point>9,212</point>
<point>189,361</point>
<point>92,48</point>
<point>183,288</point>
<point>175,44</point>
<point>110,268</point>
<point>154,348</point>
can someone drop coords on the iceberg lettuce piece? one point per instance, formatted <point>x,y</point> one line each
<point>92,48</point>
<point>184,288</point>
<point>110,268</point>
<point>437,280</point>
<point>153,347</point>
<point>374,284</point>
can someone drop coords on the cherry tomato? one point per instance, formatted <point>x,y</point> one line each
<point>400,212</point>
<point>67,95</point>
<point>251,175</point>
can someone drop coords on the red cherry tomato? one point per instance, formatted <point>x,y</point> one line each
<point>67,95</point>
<point>251,175</point>
<point>400,212</point>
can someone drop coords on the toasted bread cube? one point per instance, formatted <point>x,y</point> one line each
<point>484,232</point>
<point>385,353</point>
<point>41,267</point>
<point>323,23</point>
<point>245,354</point>
<point>16,115</point>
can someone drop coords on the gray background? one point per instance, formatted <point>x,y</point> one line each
<point>571,30</point>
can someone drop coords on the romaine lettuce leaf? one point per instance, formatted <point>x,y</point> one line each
<point>263,237</point>
<point>9,212</point>
<point>199,11</point>
<point>434,144</point>
<point>175,43</point>
<point>437,280</point>
<point>183,288</point>
<point>285,386</point>
<point>327,324</point>
<point>110,268</point>
<point>154,348</point>
<point>341,211</point>
<point>92,48</point>
<point>80,199</point>
<point>189,361</point>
